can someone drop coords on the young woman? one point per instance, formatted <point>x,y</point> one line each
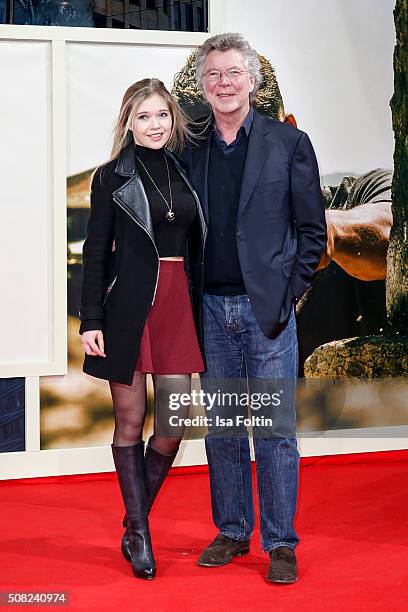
<point>140,312</point>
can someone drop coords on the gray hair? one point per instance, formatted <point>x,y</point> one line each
<point>225,42</point>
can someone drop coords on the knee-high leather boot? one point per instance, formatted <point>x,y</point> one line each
<point>129,463</point>
<point>157,467</point>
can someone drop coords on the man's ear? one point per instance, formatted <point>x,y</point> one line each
<point>290,119</point>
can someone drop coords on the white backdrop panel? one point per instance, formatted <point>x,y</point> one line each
<point>98,77</point>
<point>25,243</point>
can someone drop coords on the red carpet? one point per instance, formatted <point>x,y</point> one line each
<point>63,534</point>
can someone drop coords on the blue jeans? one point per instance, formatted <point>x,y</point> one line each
<point>238,352</point>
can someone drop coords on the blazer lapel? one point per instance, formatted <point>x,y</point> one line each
<point>259,149</point>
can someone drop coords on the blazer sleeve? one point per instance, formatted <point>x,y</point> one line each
<point>97,250</point>
<point>308,213</point>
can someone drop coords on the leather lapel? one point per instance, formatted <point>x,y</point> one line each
<point>259,149</point>
<point>131,196</point>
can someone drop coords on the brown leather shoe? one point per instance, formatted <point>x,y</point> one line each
<point>222,550</point>
<point>283,567</point>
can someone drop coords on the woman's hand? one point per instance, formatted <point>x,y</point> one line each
<point>92,343</point>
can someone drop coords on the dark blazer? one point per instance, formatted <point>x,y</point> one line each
<point>118,288</point>
<point>281,226</point>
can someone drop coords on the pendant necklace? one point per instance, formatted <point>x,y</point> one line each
<point>170,216</point>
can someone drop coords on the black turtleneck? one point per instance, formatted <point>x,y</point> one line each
<point>170,238</point>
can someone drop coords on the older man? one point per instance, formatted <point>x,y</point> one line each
<point>259,185</point>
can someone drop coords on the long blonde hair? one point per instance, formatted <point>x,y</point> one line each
<point>134,96</point>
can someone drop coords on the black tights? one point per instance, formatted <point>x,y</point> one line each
<point>129,403</point>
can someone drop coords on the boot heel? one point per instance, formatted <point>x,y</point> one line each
<point>125,547</point>
<point>141,554</point>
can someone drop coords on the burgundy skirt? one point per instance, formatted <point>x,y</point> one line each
<point>169,342</point>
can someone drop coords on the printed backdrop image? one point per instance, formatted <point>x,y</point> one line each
<point>348,344</point>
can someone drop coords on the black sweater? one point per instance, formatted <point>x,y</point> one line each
<point>170,237</point>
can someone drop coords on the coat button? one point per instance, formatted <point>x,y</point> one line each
<point>120,193</point>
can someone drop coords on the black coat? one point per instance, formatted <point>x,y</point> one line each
<point>118,287</point>
<point>281,225</point>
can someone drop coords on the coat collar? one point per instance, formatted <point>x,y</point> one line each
<point>126,164</point>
